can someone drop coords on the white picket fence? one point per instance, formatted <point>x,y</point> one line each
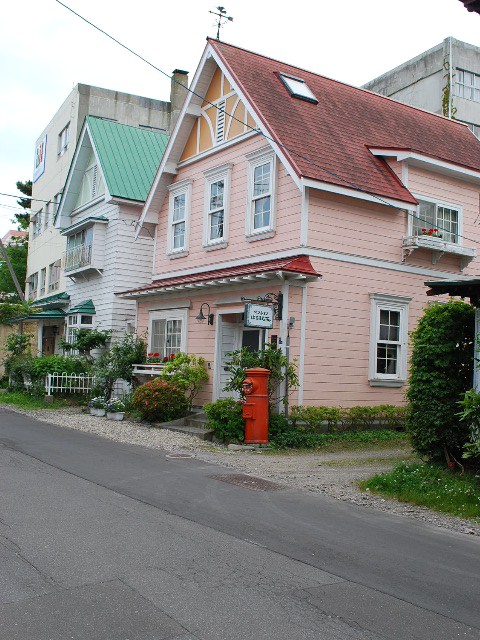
<point>68,383</point>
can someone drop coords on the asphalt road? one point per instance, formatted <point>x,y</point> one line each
<point>105,541</point>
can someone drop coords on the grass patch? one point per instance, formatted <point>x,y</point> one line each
<point>332,442</point>
<point>431,486</point>
<point>367,462</point>
<point>24,401</point>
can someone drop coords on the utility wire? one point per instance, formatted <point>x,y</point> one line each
<point>11,195</point>
<point>257,130</point>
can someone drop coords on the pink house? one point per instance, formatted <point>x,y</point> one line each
<point>284,186</point>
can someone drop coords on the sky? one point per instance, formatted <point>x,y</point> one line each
<point>45,51</point>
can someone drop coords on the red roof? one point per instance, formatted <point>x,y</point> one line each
<point>297,264</point>
<point>329,141</point>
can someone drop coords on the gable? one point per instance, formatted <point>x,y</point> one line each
<point>223,117</point>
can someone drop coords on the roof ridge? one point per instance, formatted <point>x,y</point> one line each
<point>131,126</point>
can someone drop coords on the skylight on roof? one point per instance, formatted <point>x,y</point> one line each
<point>298,88</point>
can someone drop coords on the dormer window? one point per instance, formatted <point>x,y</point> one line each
<point>298,88</point>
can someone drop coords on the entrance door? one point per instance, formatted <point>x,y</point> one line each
<point>48,340</point>
<point>229,341</point>
<point>251,339</point>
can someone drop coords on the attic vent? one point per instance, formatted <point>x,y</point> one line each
<point>298,88</point>
<point>220,121</point>
<point>95,181</point>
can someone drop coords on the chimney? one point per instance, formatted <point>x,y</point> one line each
<point>177,94</point>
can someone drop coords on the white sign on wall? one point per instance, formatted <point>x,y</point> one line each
<point>40,155</point>
<point>258,315</point>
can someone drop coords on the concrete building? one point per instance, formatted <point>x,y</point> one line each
<point>444,79</point>
<point>54,151</point>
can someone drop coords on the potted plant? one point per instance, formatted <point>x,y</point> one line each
<point>98,406</point>
<point>431,233</point>
<point>115,409</point>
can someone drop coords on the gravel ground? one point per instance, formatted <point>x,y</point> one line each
<point>334,474</point>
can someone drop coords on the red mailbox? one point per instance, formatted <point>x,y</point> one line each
<point>255,407</point>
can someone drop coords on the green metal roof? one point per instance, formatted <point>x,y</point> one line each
<point>56,299</point>
<point>48,314</point>
<point>87,307</point>
<point>129,156</point>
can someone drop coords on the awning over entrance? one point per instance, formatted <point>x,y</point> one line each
<point>297,267</point>
<point>53,302</point>
<point>86,308</point>
<point>462,288</point>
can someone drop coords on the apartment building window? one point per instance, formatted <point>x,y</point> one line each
<point>167,333</point>
<point>467,85</point>
<point>33,286</point>
<point>179,206</point>
<point>388,340</point>
<point>79,249</point>
<point>54,276</point>
<point>432,218</point>
<point>43,281</point>
<point>36,220</point>
<point>63,140</point>
<point>48,215</point>
<point>261,198</point>
<point>217,187</point>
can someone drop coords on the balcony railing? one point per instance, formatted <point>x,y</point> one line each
<point>438,247</point>
<point>78,257</point>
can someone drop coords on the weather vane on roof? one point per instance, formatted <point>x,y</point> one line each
<point>222,18</point>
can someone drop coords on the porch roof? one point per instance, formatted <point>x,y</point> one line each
<point>86,307</point>
<point>47,314</point>
<point>468,288</point>
<point>53,301</point>
<point>298,267</point>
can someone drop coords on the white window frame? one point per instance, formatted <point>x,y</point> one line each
<point>387,302</point>
<point>177,189</point>
<point>438,203</point>
<point>212,176</point>
<point>257,159</point>
<point>43,281</point>
<point>298,88</point>
<point>63,140</point>
<point>33,286</point>
<point>463,88</point>
<point>73,324</point>
<point>167,315</point>
<point>54,276</point>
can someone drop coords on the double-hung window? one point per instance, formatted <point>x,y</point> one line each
<point>179,207</point>
<point>63,140</point>
<point>33,286</point>
<point>75,322</point>
<point>261,193</point>
<point>437,220</point>
<point>167,333</point>
<point>388,340</point>
<point>467,85</point>
<point>217,187</point>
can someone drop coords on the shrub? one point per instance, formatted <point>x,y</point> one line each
<point>117,364</point>
<point>441,372</point>
<point>86,340</point>
<point>316,417</point>
<point>186,372</point>
<point>225,419</point>
<point>470,415</point>
<point>331,419</point>
<point>57,364</point>
<point>158,401</point>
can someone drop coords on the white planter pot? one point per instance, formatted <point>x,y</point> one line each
<point>115,415</point>
<point>97,412</point>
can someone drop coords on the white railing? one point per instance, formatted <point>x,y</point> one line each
<point>68,383</point>
<point>78,257</point>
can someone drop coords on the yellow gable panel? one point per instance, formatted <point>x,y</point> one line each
<point>191,148</point>
<point>206,141</point>
<point>236,122</point>
<point>215,89</point>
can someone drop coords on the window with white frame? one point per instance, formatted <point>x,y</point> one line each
<point>54,276</point>
<point>388,340</point>
<point>298,88</point>
<point>48,215</point>
<point>93,185</point>
<point>261,193</point>
<point>33,286</point>
<point>179,206</point>
<point>43,281</point>
<point>63,140</point>
<point>167,333</point>
<point>467,85</point>
<point>36,221</point>
<point>75,322</point>
<point>437,220</point>
<point>217,187</point>
<point>79,249</point>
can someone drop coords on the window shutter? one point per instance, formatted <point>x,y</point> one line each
<point>220,121</point>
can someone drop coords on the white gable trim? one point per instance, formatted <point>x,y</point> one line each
<point>359,195</point>
<point>426,162</point>
<point>74,179</point>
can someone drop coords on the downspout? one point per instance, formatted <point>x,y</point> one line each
<point>450,77</point>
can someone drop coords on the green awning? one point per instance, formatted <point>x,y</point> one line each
<point>48,314</point>
<point>56,300</point>
<point>86,307</point>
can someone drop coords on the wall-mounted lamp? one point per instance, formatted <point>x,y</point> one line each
<point>201,317</point>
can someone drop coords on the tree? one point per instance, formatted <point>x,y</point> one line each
<point>17,251</point>
<point>23,219</point>
<point>441,372</point>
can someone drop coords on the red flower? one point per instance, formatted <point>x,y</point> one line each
<point>172,356</point>
<point>165,359</point>
<point>149,354</point>
<point>156,355</point>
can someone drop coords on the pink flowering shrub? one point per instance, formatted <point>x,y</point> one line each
<point>158,401</point>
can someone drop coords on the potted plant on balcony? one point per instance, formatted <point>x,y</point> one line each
<point>98,406</point>
<point>115,409</point>
<point>431,233</point>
